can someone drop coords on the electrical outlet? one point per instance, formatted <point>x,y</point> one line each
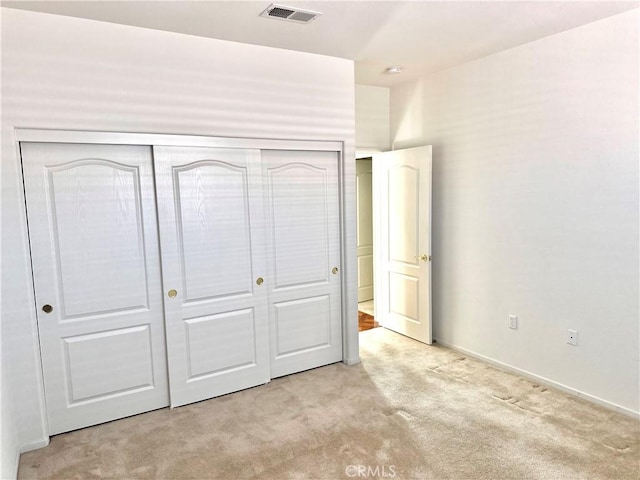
<point>513,322</point>
<point>572,337</point>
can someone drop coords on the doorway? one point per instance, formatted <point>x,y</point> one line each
<point>364,236</point>
<point>393,191</point>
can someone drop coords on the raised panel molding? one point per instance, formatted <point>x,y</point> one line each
<point>92,378</point>
<point>403,296</point>
<point>302,325</point>
<point>231,335</point>
<point>403,230</point>
<point>299,218</point>
<point>219,222</point>
<point>85,225</point>
<point>364,232</point>
<point>365,270</point>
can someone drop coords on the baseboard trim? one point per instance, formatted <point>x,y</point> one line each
<point>16,465</point>
<point>27,448</point>
<point>550,383</point>
<point>351,361</point>
<point>34,446</point>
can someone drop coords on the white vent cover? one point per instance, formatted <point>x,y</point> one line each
<point>291,14</point>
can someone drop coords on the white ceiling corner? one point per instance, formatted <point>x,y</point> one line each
<point>422,36</point>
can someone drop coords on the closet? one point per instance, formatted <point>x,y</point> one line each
<point>165,275</point>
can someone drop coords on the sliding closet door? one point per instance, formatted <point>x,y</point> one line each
<point>213,267</point>
<point>94,245</point>
<point>302,201</point>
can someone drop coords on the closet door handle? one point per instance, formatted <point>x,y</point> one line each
<point>259,281</point>
<point>47,308</point>
<point>172,293</point>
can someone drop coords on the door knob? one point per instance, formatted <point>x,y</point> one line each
<point>334,270</point>
<point>172,293</point>
<point>424,258</point>
<point>47,308</point>
<point>259,281</point>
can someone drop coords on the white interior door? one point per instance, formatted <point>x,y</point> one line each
<point>402,193</point>
<point>213,257</point>
<point>302,201</point>
<point>94,244</point>
<point>364,230</point>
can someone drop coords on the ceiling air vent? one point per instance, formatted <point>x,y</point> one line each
<point>291,14</point>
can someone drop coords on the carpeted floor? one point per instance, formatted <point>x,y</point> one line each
<point>408,411</point>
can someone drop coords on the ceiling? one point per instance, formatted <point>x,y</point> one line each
<point>423,36</point>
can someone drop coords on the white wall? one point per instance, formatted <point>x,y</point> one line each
<point>535,204</point>
<point>9,446</point>
<point>68,73</point>
<point>372,118</point>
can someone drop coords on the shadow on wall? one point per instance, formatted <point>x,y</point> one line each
<point>413,126</point>
<point>407,116</point>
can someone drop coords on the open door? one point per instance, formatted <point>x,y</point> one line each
<point>402,242</point>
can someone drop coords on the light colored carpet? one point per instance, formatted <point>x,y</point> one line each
<point>408,411</point>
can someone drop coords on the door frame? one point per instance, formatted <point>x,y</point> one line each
<point>363,154</point>
<point>358,246</point>
<point>347,200</point>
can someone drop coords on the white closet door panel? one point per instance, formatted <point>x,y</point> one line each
<point>213,217</point>
<point>231,335</point>
<point>299,224</point>
<point>93,233</point>
<point>91,376</point>
<point>293,335</point>
<point>96,273</point>
<point>302,201</point>
<point>212,237</point>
